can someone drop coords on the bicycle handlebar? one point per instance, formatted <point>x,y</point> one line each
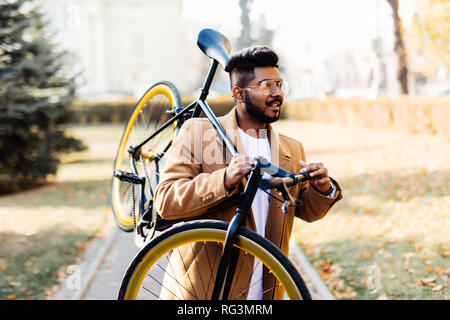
<point>288,181</point>
<point>280,176</point>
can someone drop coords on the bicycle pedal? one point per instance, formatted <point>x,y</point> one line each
<point>128,177</point>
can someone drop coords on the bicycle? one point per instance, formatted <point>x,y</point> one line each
<point>227,244</point>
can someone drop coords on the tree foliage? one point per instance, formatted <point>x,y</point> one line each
<point>253,33</point>
<point>428,37</point>
<point>35,95</point>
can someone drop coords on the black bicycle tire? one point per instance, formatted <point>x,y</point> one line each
<point>221,225</point>
<point>179,103</point>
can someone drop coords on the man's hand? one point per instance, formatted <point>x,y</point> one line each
<point>239,166</point>
<point>319,175</point>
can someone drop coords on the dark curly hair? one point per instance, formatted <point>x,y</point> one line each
<point>243,63</point>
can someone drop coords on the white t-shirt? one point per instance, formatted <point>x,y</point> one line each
<point>260,207</point>
<point>257,147</point>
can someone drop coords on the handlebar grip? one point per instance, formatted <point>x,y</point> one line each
<point>289,181</point>
<point>304,176</point>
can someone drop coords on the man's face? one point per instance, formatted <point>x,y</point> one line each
<point>265,109</point>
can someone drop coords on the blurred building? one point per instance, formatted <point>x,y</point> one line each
<point>121,46</point>
<point>325,53</point>
<point>197,64</point>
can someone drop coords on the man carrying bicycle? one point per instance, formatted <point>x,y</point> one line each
<point>199,173</point>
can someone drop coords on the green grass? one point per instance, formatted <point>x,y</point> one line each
<point>43,230</point>
<point>388,237</point>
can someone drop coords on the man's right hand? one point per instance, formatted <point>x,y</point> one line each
<point>239,166</point>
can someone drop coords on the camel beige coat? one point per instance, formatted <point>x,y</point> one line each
<point>193,181</point>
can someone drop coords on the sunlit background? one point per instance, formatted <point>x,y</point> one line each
<point>370,98</point>
<point>345,48</point>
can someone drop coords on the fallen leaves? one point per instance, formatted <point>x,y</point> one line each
<point>445,252</point>
<point>429,282</point>
<point>348,294</point>
<point>394,214</point>
<point>438,288</point>
<point>440,270</point>
<point>14,284</point>
<point>331,275</point>
<point>366,255</point>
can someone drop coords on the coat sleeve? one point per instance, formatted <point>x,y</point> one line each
<point>313,204</point>
<point>184,190</point>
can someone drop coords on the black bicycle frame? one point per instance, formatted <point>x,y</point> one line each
<point>197,106</point>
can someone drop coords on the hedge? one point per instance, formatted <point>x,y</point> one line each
<point>427,115</point>
<point>406,114</point>
<point>118,111</point>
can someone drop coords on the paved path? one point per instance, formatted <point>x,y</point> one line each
<point>99,273</point>
<point>97,276</point>
<point>106,281</point>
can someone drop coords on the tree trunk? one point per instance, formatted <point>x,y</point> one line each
<point>245,38</point>
<point>399,48</point>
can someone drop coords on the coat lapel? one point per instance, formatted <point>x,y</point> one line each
<point>230,125</point>
<point>279,153</point>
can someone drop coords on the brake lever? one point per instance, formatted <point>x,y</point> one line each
<point>289,200</point>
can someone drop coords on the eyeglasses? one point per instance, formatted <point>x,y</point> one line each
<point>268,87</point>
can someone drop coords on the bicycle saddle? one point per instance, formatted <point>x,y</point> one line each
<point>215,45</point>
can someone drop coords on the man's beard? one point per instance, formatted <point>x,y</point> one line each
<point>257,113</point>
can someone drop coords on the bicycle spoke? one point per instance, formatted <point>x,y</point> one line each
<point>187,270</point>
<point>162,286</point>
<point>162,109</point>
<point>258,282</point>
<point>198,270</point>
<point>211,276</point>
<point>151,292</point>
<point>127,199</point>
<point>146,121</point>
<point>179,284</point>
<point>173,271</point>
<point>189,278</point>
<point>238,271</point>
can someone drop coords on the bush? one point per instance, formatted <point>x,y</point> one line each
<point>35,94</point>
<point>118,111</point>
<point>220,105</point>
<point>407,114</point>
<point>113,111</point>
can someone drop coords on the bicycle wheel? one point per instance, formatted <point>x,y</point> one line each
<point>154,108</point>
<point>155,271</point>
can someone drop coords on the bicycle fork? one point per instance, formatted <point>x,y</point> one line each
<point>230,253</point>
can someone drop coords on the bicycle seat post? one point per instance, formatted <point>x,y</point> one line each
<point>209,79</point>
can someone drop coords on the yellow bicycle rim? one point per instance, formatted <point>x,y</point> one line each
<point>213,235</point>
<point>160,89</point>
